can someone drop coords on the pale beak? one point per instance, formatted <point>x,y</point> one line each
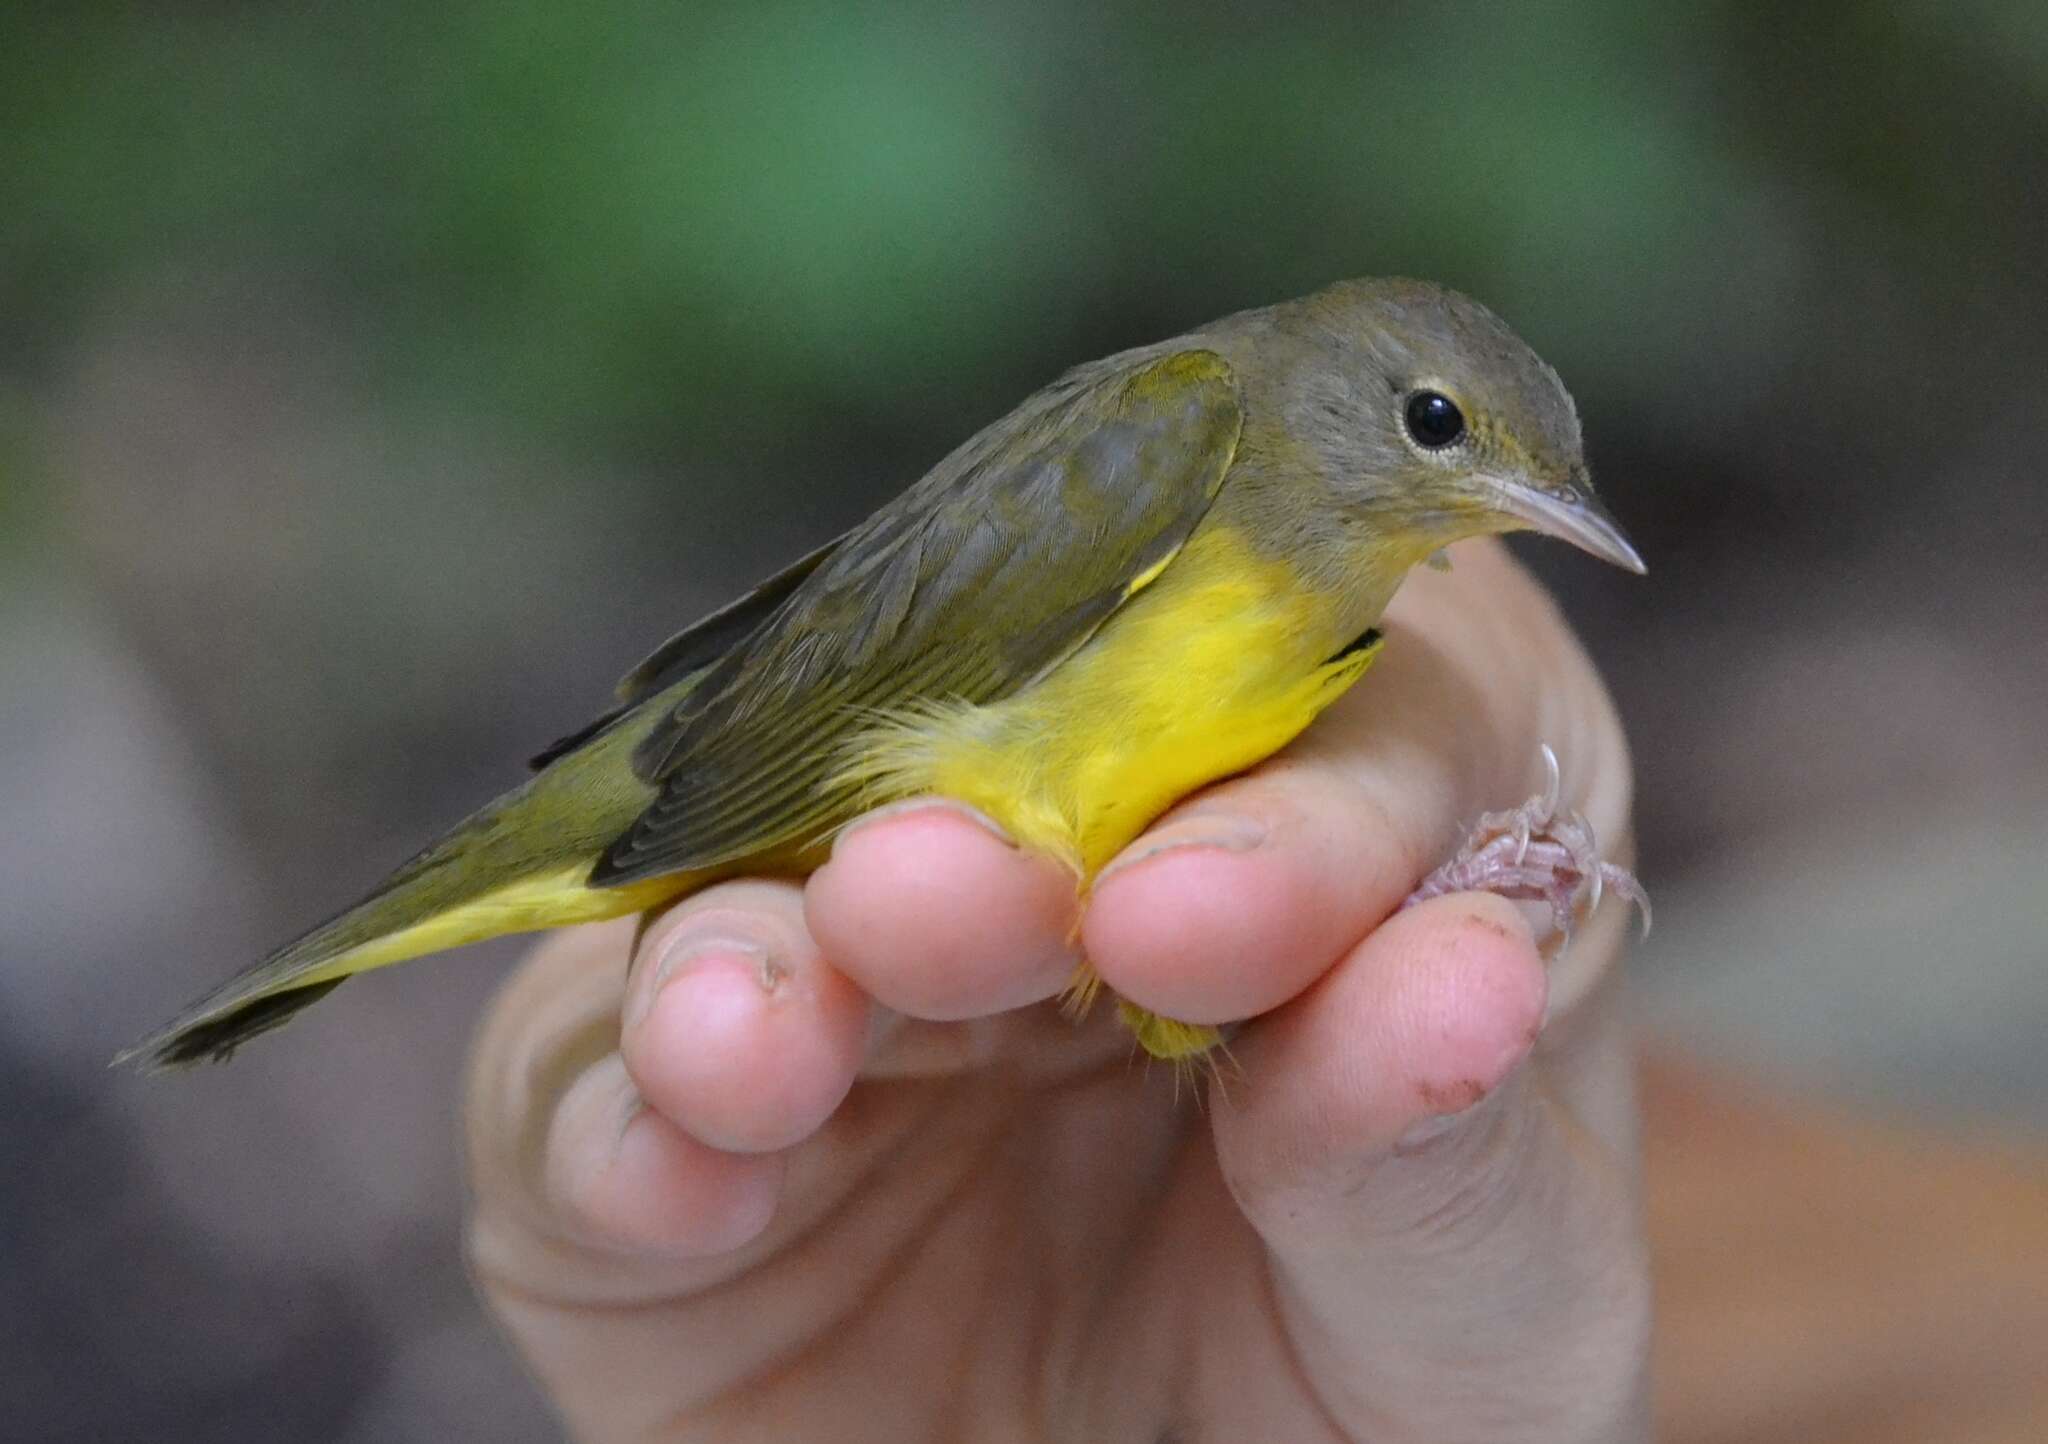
<point>1570,513</point>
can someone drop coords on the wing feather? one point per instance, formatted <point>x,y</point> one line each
<point>692,649</point>
<point>995,566</point>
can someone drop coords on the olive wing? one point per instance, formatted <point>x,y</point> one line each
<point>989,571</point>
<point>695,647</point>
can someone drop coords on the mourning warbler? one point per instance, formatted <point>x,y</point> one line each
<point>1149,575</point>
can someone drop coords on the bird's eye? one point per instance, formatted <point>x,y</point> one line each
<point>1434,420</point>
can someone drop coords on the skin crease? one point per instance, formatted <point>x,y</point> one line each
<point>820,1185</point>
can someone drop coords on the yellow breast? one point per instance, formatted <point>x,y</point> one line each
<point>1215,666</point>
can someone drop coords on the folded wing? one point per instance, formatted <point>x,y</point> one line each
<point>989,571</point>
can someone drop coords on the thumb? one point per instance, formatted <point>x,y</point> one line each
<point>1453,1254</point>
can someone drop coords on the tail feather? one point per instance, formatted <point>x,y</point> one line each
<point>303,971</point>
<point>215,1039</point>
<point>522,862</point>
<point>406,919</point>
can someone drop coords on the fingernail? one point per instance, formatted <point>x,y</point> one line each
<point>927,804</point>
<point>1222,831</point>
<point>685,951</point>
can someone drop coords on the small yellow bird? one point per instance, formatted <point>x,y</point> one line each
<point>1152,574</point>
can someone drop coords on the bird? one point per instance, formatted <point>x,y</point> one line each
<point>1151,574</point>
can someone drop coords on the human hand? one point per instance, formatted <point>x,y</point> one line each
<point>811,1169</point>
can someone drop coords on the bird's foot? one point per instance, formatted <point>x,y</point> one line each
<point>1536,853</point>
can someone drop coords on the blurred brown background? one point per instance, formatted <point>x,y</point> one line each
<point>379,381</point>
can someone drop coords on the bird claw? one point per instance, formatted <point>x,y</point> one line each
<point>1536,853</point>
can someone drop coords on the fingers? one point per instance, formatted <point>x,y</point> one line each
<point>666,1092</point>
<point>626,1177</point>
<point>749,1005</point>
<point>562,1148</point>
<point>1443,1230</point>
<point>1238,900</point>
<point>735,1030</point>
<point>1422,1023</point>
<point>933,912</point>
<point>646,1111</point>
<point>1235,902</point>
<point>652,1103</point>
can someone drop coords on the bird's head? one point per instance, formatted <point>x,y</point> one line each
<point>1439,419</point>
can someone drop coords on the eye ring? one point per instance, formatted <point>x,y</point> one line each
<point>1434,420</point>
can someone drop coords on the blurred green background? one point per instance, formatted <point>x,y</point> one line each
<point>379,380</point>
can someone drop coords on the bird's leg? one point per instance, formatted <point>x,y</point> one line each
<point>1537,852</point>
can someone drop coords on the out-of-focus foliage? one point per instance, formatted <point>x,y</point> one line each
<point>642,220</point>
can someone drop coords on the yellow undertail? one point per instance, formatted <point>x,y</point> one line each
<point>552,900</point>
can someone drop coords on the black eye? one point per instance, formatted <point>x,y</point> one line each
<point>1434,420</point>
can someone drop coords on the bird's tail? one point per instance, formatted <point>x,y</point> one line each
<point>215,1036</point>
<point>496,873</point>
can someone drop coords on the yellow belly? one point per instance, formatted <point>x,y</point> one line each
<point>1216,666</point>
